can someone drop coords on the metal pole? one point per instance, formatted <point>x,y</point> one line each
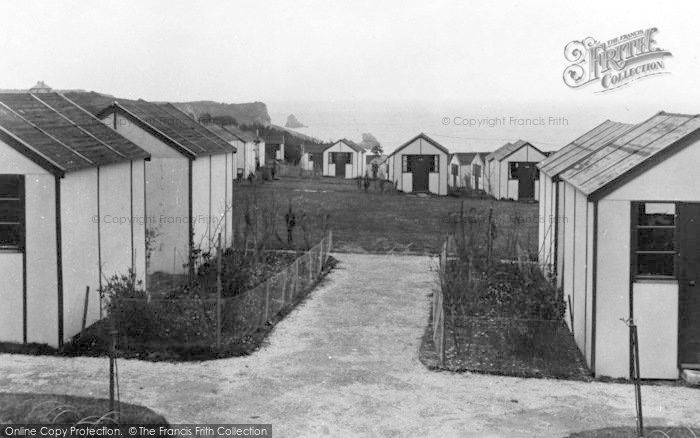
<point>637,380</point>
<point>218,293</point>
<point>112,349</point>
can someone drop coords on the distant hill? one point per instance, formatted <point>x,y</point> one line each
<point>254,113</point>
<point>293,122</point>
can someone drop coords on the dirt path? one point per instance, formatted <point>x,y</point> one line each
<point>345,363</point>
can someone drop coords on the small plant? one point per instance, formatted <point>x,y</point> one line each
<point>290,219</point>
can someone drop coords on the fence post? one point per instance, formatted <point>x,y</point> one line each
<point>267,301</point>
<point>296,278</point>
<point>320,255</point>
<point>330,242</point>
<point>285,275</point>
<point>85,307</point>
<point>310,267</point>
<point>218,292</point>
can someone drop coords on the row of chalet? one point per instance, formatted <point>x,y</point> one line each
<point>92,188</point>
<point>620,231</point>
<point>424,165</point>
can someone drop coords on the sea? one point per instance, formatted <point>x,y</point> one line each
<point>459,126</point>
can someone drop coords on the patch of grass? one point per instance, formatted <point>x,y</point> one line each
<point>21,408</point>
<point>631,432</point>
<point>385,222</point>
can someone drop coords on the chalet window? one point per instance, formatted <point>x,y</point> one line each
<point>335,157</point>
<point>654,240</point>
<point>12,212</point>
<point>408,162</point>
<point>513,170</point>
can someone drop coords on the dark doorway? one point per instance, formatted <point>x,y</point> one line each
<point>375,170</point>
<point>271,152</point>
<point>689,285</point>
<point>526,173</point>
<point>455,174</point>
<point>421,167</point>
<point>340,159</point>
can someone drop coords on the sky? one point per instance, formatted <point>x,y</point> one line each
<point>487,54</point>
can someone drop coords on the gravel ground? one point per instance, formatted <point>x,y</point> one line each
<point>345,363</point>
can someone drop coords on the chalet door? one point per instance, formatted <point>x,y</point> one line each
<point>421,171</point>
<point>375,170</point>
<point>340,161</point>
<point>270,152</point>
<point>526,180</point>
<point>689,285</point>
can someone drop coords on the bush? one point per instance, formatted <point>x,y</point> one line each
<point>501,289</point>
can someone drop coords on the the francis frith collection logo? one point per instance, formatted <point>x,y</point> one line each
<point>616,62</point>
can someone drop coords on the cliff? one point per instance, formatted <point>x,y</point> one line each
<point>244,113</point>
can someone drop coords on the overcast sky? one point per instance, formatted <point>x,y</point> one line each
<point>509,52</point>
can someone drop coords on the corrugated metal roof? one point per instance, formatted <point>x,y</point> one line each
<point>92,125</point>
<point>586,144</point>
<point>63,133</point>
<point>620,156</point>
<point>164,118</point>
<point>207,140</point>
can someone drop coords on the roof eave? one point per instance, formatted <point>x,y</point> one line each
<point>645,165</point>
<point>32,155</point>
<point>115,107</point>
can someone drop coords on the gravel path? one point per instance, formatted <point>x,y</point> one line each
<point>345,363</point>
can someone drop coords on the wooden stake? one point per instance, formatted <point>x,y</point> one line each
<point>85,309</point>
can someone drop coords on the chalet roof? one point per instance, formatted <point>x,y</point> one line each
<point>209,142</point>
<point>171,126</point>
<point>465,157</point>
<point>589,142</point>
<point>426,138</point>
<point>354,146</point>
<point>91,101</point>
<point>222,132</point>
<point>59,135</point>
<point>626,156</point>
<point>274,139</point>
<point>245,136</point>
<point>313,148</point>
<point>508,149</point>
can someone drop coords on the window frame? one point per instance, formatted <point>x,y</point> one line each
<point>635,227</point>
<point>22,224</point>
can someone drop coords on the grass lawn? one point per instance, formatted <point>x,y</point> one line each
<point>67,409</point>
<point>379,222</point>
